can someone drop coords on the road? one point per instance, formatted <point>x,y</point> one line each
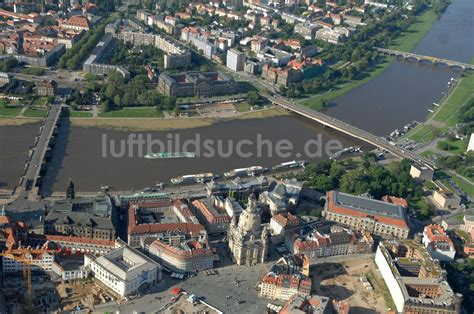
<point>348,129</point>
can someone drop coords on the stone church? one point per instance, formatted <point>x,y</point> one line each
<point>248,239</point>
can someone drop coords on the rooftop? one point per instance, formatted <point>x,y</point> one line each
<point>384,212</point>
<point>126,263</point>
<point>95,212</point>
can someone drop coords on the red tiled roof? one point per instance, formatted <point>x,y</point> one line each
<point>79,21</point>
<point>286,221</point>
<point>196,251</point>
<point>395,200</point>
<point>440,235</point>
<point>134,228</point>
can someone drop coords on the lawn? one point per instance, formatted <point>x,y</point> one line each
<point>138,112</point>
<point>456,147</point>
<point>407,42</point>
<point>35,113</point>
<point>448,111</point>
<point>468,188</point>
<point>427,153</point>
<point>40,102</point>
<point>9,110</point>
<point>242,107</point>
<point>79,114</point>
<point>424,133</point>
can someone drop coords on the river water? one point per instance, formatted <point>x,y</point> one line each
<point>406,90</point>
<point>79,153</point>
<point>401,94</point>
<point>14,144</point>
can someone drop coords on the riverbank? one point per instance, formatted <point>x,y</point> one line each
<point>446,115</point>
<point>160,124</point>
<point>407,42</point>
<point>6,121</point>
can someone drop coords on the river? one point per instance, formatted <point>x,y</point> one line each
<point>401,94</point>
<point>14,143</point>
<point>78,154</point>
<point>406,90</point>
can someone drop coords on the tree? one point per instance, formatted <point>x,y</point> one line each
<point>323,183</point>
<point>426,210</point>
<point>252,98</point>
<point>90,77</point>
<point>105,106</point>
<point>169,102</point>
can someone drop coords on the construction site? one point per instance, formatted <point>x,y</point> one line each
<point>31,284</point>
<point>346,281</point>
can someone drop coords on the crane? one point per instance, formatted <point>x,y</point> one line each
<point>20,255</point>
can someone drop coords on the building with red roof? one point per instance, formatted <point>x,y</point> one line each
<point>159,220</point>
<point>366,214</point>
<point>187,257</point>
<point>76,22</point>
<point>395,200</point>
<point>338,241</point>
<point>438,243</point>
<point>212,214</point>
<point>284,286</point>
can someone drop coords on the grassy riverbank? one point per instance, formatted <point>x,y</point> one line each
<point>446,115</point>
<point>160,124</point>
<point>448,112</point>
<point>407,42</point>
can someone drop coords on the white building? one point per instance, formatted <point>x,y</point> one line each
<point>4,78</point>
<point>208,49</point>
<point>425,290</point>
<point>235,60</point>
<point>470,147</point>
<point>123,270</point>
<point>69,273</point>
<point>421,172</point>
<point>38,260</point>
<point>438,244</point>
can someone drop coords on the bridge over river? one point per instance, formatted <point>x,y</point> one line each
<point>434,60</point>
<point>29,181</point>
<point>349,129</point>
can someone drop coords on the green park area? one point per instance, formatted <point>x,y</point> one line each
<point>453,146</point>
<point>425,133</point>
<point>8,109</point>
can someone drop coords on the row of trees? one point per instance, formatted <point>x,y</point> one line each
<point>73,58</point>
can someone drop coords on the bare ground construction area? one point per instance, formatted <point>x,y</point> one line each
<point>341,281</point>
